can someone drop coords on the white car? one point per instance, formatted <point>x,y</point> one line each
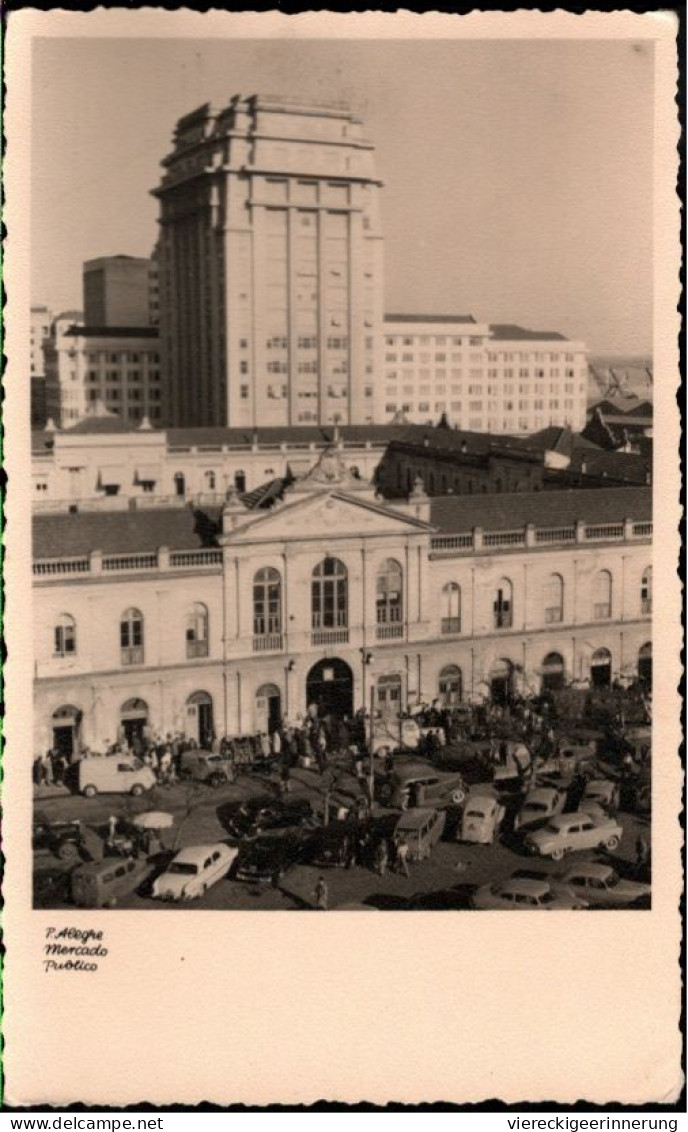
<point>523,894</point>
<point>194,870</point>
<point>566,832</point>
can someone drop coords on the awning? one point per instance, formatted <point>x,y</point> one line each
<point>111,476</point>
<point>147,473</point>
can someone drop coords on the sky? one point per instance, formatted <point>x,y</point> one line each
<point>517,174</point>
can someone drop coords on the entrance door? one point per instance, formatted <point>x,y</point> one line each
<point>199,713</point>
<point>66,723</point>
<point>645,664</point>
<point>330,687</point>
<point>134,717</point>
<point>502,682</point>
<point>389,696</point>
<point>601,668</point>
<point>268,708</point>
<point>552,672</point>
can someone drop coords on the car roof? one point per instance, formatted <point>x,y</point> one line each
<point>563,821</point>
<point>527,886</point>
<point>599,782</point>
<point>194,852</point>
<point>414,818</point>
<point>541,792</point>
<point>592,868</point>
<point>412,770</point>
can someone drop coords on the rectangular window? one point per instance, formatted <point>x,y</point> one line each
<point>243,392</point>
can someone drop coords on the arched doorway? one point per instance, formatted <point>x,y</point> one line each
<point>553,672</point>
<point>133,721</point>
<point>330,687</point>
<point>601,668</point>
<point>389,696</point>
<point>450,686</point>
<point>645,664</point>
<point>502,681</point>
<point>268,708</point>
<point>66,724</point>
<point>199,716</point>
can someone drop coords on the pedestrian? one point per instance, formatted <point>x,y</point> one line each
<point>48,768</point>
<point>321,751</point>
<point>321,895</point>
<point>381,857</point>
<point>286,777</point>
<point>402,857</point>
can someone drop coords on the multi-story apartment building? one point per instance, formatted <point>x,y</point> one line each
<point>154,620</point>
<point>117,291</point>
<point>118,366</point>
<point>487,378</point>
<point>270,266</point>
<point>41,321</point>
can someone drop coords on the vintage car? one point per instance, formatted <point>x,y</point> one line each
<point>258,815</point>
<point>603,791</point>
<point>417,783</point>
<point>203,766</point>
<point>194,870</point>
<point>334,845</point>
<point>114,774</point>
<point>539,806</point>
<point>526,894</point>
<point>421,828</point>
<point>69,840</point>
<point>482,816</point>
<point>269,857</point>
<point>101,884</point>
<point>565,833</point>
<point>602,887</point>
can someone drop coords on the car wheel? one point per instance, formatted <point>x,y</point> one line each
<point>557,854</point>
<point>458,797</point>
<point>137,789</point>
<point>611,842</point>
<point>89,791</point>
<point>68,851</point>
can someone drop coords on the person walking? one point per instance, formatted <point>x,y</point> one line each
<point>381,857</point>
<point>402,857</point>
<point>321,895</point>
<point>321,751</point>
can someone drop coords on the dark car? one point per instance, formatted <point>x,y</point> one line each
<point>334,845</point>
<point>269,857</point>
<point>255,817</point>
<point>51,888</point>
<point>204,766</point>
<point>68,840</point>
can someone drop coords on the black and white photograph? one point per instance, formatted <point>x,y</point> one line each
<point>341,462</point>
<point>332,578</point>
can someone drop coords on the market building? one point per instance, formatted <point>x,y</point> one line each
<point>225,619</point>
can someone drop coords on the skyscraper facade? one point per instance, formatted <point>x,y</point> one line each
<point>270,266</point>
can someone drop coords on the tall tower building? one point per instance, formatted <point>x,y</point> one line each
<point>116,291</point>
<point>270,265</point>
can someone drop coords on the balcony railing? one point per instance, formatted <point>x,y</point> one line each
<point>554,615</point>
<point>389,632</point>
<point>196,558</point>
<point>320,637</point>
<point>268,642</point>
<point>451,625</point>
<point>115,563</point>
<point>503,620</point>
<point>51,567</point>
<point>646,605</point>
<point>133,655</point>
<point>194,649</point>
<point>602,611</point>
<point>605,531</point>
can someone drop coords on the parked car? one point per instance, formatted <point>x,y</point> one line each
<point>256,816</point>
<point>482,816</point>
<point>604,792</point>
<point>194,870</point>
<point>602,886</point>
<point>421,829</point>
<point>51,887</point>
<point>101,884</point>
<point>526,894</point>
<point>334,845</point>
<point>269,857</point>
<point>416,783</point>
<point>566,832</point>
<point>114,774</point>
<point>539,806</point>
<point>203,766</point>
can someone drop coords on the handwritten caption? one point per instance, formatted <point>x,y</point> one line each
<point>73,949</point>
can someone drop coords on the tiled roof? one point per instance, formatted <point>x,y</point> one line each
<point>113,332</point>
<point>283,434</point>
<point>557,439</point>
<point>622,466</point>
<point>429,318</point>
<point>119,532</point>
<point>94,426</point>
<point>460,513</point>
<point>510,333</point>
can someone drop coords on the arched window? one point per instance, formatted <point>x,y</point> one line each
<point>179,484</point>
<point>502,605</point>
<point>389,598</point>
<point>329,595</point>
<point>451,608</point>
<point>450,686</point>
<point>554,599</point>
<point>553,672</point>
<point>267,608</point>
<point>131,637</point>
<point>240,481</point>
<point>646,590</point>
<point>197,630</point>
<point>210,480</point>
<point>602,595</point>
<point>65,635</point>
<point>601,668</point>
